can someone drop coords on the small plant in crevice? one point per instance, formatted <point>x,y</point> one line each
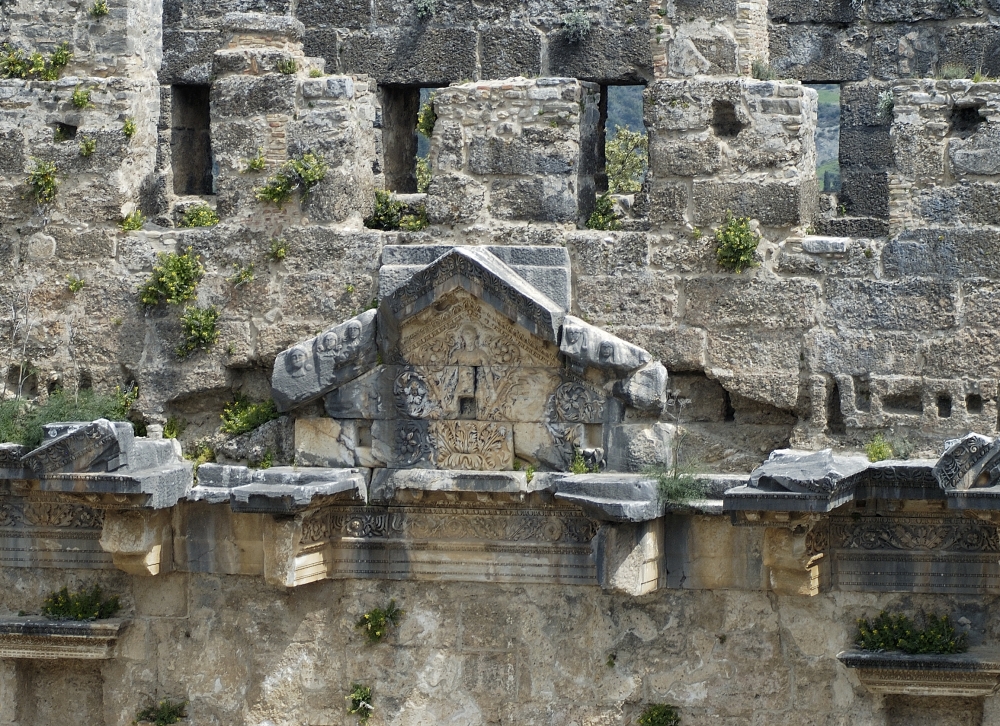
<point>529,473</point>
<point>88,144</point>
<point>256,163</point>
<point>74,283</point>
<point>99,9</point>
<point>132,221</point>
<point>387,212</point>
<point>15,63</point>
<point>287,66</point>
<point>200,453</point>
<point>266,461</point>
<point>761,71</point>
<point>81,98</point>
<point>174,427</point>
<point>279,249</point>
<point>302,173</point>
<point>878,448</point>
<point>59,135</point>
<point>359,702</point>
<point>427,117</point>
<point>42,180</point>
<point>576,26</point>
<point>241,275</point>
<point>627,156</point>
<point>200,329</point>
<point>423,176</point>
<point>129,128</point>
<point>199,215</point>
<point>578,465</point>
<point>953,71</point>
<point>416,221</point>
<point>603,217</point>
<point>315,73</point>
<point>659,714</point>
<point>241,415</point>
<point>425,8</point>
<point>612,659</point>
<point>885,105</point>
<point>376,622</point>
<point>674,482</point>
<point>164,713</point>
<point>736,244</point>
<point>174,278</point>
<point>898,632</point>
<point>83,604</point>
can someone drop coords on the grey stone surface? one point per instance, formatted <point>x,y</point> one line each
<point>387,482</point>
<point>636,447</point>
<point>817,245</point>
<point>807,472</point>
<point>506,51</point>
<point>820,53</point>
<point>609,497</point>
<point>587,345</point>
<point>77,448</point>
<point>646,388</point>
<point>275,490</point>
<point>277,26</point>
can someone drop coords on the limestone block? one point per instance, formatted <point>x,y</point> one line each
<point>140,542</point>
<point>819,52</point>
<point>801,471</point>
<point>89,447</point>
<point>633,447</point>
<point>421,54</point>
<point>609,497</point>
<point>773,203</point>
<point>791,569</point>
<point>646,388</point>
<point>325,442</point>
<point>751,302</point>
<point>708,553</point>
<point>263,25</point>
<point>700,48</point>
<point>386,482</point>
<point>864,305</point>
<point>977,154</point>
<point>865,193</point>
<point>612,54</point>
<point>280,547</point>
<point>277,490</point>
<point>454,199</point>
<point>587,345</point>
<point>816,245</point>
<point>541,199</point>
<point>509,50</point>
<point>548,444</point>
<point>811,11</point>
<point>629,557</point>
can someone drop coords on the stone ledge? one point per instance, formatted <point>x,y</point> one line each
<point>972,674</point>
<point>51,639</point>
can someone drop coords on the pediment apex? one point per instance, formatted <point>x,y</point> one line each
<point>484,276</point>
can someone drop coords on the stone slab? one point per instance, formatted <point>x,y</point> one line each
<point>973,674</point>
<point>39,639</point>
<point>609,497</point>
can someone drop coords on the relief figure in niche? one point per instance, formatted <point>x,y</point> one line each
<point>466,350</point>
<point>297,362</point>
<point>348,348</point>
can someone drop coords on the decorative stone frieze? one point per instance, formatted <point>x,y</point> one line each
<point>35,639</point>
<point>975,673</point>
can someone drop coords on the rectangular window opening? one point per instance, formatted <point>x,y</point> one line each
<point>827,138</point>
<point>405,149</point>
<point>623,142</point>
<point>190,140</point>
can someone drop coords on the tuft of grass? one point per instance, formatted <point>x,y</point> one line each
<point>59,135</point>
<point>132,221</point>
<point>81,605</point>
<point>174,278</point>
<point>603,217</point>
<point>74,283</point>
<point>88,144</point>
<point>199,215</point>
<point>576,25</point>
<point>200,329</point>
<point>675,485</point>
<point>878,448</point>
<point>129,128</point>
<point>42,180</point>
<point>659,714</point>
<point>898,632</point>
<point>174,427</point>
<point>242,415</point>
<point>200,453</point>
<point>359,702</point>
<point>953,71</point>
<point>163,714</point>
<point>761,71</point>
<point>99,9</point>
<point>736,244</point>
<point>287,66</point>
<point>376,622</point>
<point>256,163</point>
<point>81,97</point>
<point>315,73</point>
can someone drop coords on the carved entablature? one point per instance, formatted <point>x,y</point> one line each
<point>469,366</point>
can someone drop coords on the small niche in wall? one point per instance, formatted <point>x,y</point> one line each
<point>966,119</point>
<point>621,110</point>
<point>191,140</point>
<point>974,403</point>
<point>63,132</point>
<point>862,394</point>
<point>944,405</point>
<point>725,122</point>
<point>907,403</point>
<point>834,413</point>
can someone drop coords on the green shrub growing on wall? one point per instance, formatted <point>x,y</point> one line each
<point>423,175</point>
<point>878,449</point>
<point>427,117</point>
<point>14,63</point>
<point>81,97</point>
<point>603,217</point>
<point>199,215</point>
<point>425,8</point>
<point>174,279</point>
<point>287,66</point>
<point>761,71</point>
<point>302,174</point>
<point>200,331</point>
<point>74,283</point>
<point>22,423</point>
<point>242,416</point>
<point>659,715</point>
<point>898,632</point>
<point>376,622</point>
<point>132,221</point>
<point>88,145</point>
<point>42,180</point>
<point>256,163</point>
<point>163,714</point>
<point>737,244</point>
<point>359,702</point>
<point>387,212</point>
<point>279,249</point>
<point>415,222</point>
<point>241,275</point>
<point>81,605</point>
<point>627,156</point>
<point>576,25</point>
<point>129,128</point>
<point>99,9</point>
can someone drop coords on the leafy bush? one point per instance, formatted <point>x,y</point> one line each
<point>99,9</point>
<point>577,26</point>
<point>423,176</point>
<point>163,714</point>
<point>199,215</point>
<point>129,128</point>
<point>676,485</point>
<point>603,217</point>
<point>415,222</point>
<point>14,63</point>
<point>81,97</point>
<point>427,117</point>
<point>81,605</point>
<point>659,715</point>
<point>898,632</point>
<point>737,244</point>
<point>301,174</point>
<point>241,415</point>
<point>878,449</point>
<point>42,180</point>
<point>425,8</point>
<point>200,453</point>
<point>59,135</point>
<point>174,278</point>
<point>376,622</point>
<point>287,66</point>
<point>886,103</point>
<point>200,331</point>
<point>579,465</point>
<point>132,221</point>
<point>279,249</point>
<point>627,158</point>
<point>21,422</point>
<point>360,702</point>
<point>74,283</point>
<point>88,145</point>
<point>315,73</point>
<point>256,163</point>
<point>761,71</point>
<point>387,212</point>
